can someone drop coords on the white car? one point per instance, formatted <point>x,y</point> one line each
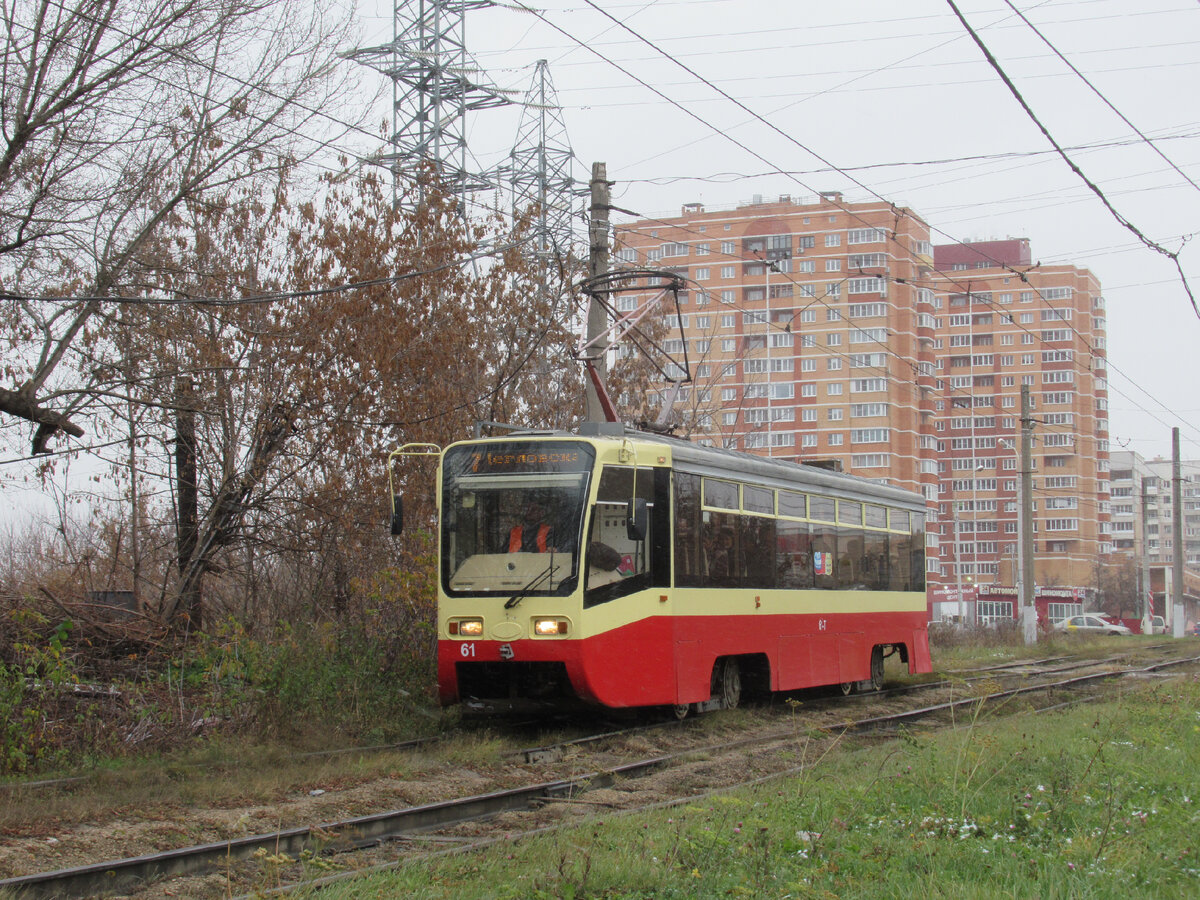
<point>1157,625</point>
<point>1090,625</point>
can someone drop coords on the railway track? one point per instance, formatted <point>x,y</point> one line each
<point>447,818</point>
<point>551,752</point>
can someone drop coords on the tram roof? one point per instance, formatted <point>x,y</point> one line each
<point>736,465</point>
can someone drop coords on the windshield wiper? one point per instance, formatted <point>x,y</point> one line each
<point>524,592</point>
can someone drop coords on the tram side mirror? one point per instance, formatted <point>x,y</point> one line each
<point>638,520</point>
<point>397,514</point>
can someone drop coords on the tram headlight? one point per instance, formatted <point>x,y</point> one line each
<point>546,627</point>
<point>466,627</point>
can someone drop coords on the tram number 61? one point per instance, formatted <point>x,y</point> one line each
<point>466,649</point>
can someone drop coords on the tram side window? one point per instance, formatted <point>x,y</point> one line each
<point>793,555</point>
<point>851,559</point>
<point>917,578</point>
<point>907,555</point>
<point>758,550</point>
<point>825,555</point>
<point>723,550</point>
<point>691,569</point>
<point>617,565</point>
<point>901,562</point>
<point>875,560</point>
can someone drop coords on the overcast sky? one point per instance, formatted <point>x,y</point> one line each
<point>900,99</point>
<point>897,97</point>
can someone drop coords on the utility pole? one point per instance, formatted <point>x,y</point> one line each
<point>1147,613</point>
<point>962,603</point>
<point>1025,523</point>
<point>1177,548</point>
<point>597,318</point>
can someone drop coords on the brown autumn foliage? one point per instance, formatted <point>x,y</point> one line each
<point>114,115</point>
<point>301,384</point>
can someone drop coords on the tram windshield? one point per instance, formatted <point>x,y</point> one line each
<point>512,517</point>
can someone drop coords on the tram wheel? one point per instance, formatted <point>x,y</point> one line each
<point>727,687</point>
<point>681,710</point>
<point>877,668</point>
<point>847,688</point>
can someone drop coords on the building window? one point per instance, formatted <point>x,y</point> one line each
<point>868,335</point>
<point>868,435</point>
<point>866,236</point>
<point>866,286</point>
<point>869,461</point>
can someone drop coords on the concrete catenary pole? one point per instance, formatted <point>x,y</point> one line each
<point>597,318</point>
<point>962,601</point>
<point>1146,594</point>
<point>1025,522</point>
<point>1178,550</point>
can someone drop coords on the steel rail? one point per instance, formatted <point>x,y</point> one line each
<point>129,874</point>
<point>868,723</point>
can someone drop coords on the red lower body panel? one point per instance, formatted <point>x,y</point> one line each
<point>665,660</point>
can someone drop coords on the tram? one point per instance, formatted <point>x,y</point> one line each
<point>621,568</point>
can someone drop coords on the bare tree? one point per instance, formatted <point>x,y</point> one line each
<point>348,327</point>
<point>113,113</point>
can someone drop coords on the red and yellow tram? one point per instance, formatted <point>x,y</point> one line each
<point>623,569</point>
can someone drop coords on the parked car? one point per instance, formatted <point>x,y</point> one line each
<point>1158,625</point>
<point>1090,624</point>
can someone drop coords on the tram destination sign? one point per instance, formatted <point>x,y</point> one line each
<point>514,457</point>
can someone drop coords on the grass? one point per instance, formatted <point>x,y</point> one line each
<point>1095,802</point>
<point>953,649</point>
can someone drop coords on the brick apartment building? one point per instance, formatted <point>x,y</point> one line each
<point>835,333</point>
<point>1004,322</point>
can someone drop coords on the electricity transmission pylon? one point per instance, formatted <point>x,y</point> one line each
<point>435,83</point>
<point>539,169</point>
